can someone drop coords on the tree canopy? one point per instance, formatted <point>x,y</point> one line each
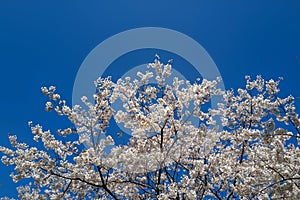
<point>179,148</point>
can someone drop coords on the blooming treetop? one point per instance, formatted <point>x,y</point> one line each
<point>251,154</point>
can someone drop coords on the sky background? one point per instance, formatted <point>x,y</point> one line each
<point>43,43</point>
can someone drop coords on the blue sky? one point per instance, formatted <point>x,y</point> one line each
<point>43,43</point>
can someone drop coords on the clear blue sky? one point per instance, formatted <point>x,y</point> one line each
<point>45,42</point>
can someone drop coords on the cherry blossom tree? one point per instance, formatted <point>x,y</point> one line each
<point>247,148</point>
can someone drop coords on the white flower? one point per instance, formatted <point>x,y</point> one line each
<point>84,99</point>
<point>49,106</point>
<point>44,90</point>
